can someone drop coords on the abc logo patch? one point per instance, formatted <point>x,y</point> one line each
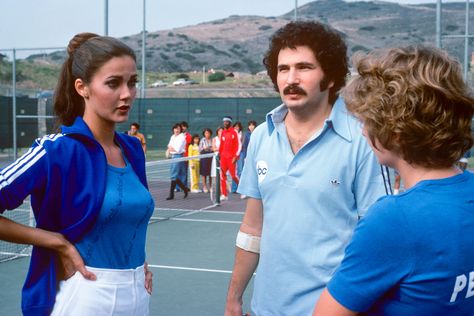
<point>262,170</point>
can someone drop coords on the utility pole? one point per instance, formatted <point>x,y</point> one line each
<point>15,150</point>
<point>466,42</point>
<point>106,17</point>
<point>438,24</point>
<point>142,94</point>
<point>296,10</point>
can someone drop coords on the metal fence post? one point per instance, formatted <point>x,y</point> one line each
<point>218,180</point>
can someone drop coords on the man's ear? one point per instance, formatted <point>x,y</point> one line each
<point>81,88</point>
<point>326,83</point>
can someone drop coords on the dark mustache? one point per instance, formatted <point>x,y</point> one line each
<point>294,89</point>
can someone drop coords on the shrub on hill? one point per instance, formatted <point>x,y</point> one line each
<point>217,76</point>
<point>367,28</point>
<point>183,76</point>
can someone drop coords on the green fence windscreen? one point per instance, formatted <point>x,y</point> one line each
<point>155,116</point>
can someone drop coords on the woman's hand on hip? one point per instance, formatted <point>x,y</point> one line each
<point>148,279</point>
<point>70,261</point>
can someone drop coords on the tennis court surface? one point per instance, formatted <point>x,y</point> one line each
<point>190,250</point>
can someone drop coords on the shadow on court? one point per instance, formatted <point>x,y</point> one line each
<point>190,250</point>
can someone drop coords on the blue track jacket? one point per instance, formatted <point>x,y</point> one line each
<point>65,174</point>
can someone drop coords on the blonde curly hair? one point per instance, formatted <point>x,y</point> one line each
<point>414,101</point>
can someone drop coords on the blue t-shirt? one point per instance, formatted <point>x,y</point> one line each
<point>413,254</point>
<point>117,240</point>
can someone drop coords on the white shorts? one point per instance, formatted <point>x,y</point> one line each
<point>115,292</point>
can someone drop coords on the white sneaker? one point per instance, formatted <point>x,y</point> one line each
<point>224,198</point>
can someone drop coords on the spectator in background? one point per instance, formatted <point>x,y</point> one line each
<point>193,150</point>
<point>205,147</point>
<point>134,131</point>
<point>176,148</point>
<point>187,136</point>
<point>251,126</point>
<point>413,252</point>
<point>229,154</point>
<point>239,164</point>
<point>243,153</point>
<point>216,142</point>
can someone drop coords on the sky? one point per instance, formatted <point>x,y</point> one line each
<point>52,23</point>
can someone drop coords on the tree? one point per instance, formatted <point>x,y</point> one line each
<point>217,76</point>
<point>183,76</point>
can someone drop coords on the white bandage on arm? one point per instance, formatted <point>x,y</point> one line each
<point>248,242</point>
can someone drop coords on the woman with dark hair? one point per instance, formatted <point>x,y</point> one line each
<point>412,253</point>
<point>91,231</point>
<point>205,147</point>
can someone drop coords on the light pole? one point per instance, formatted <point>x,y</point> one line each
<point>15,151</point>
<point>106,17</point>
<point>466,42</point>
<point>296,10</point>
<point>438,24</point>
<point>142,94</point>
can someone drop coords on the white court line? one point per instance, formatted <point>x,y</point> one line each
<point>201,210</point>
<point>14,254</point>
<point>205,208</point>
<point>187,213</point>
<point>170,209</point>
<point>225,212</point>
<point>188,269</point>
<point>195,220</point>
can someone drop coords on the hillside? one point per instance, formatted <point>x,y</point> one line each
<point>237,43</point>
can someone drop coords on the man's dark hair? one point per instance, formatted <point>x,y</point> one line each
<point>325,42</point>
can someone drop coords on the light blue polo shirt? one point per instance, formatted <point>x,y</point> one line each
<point>311,204</point>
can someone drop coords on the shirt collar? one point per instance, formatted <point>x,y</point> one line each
<point>275,116</point>
<point>338,119</point>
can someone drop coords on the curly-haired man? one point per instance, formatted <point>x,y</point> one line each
<point>309,175</point>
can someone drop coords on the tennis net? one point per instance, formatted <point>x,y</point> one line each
<point>200,197</point>
<point>158,176</point>
<point>22,215</point>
